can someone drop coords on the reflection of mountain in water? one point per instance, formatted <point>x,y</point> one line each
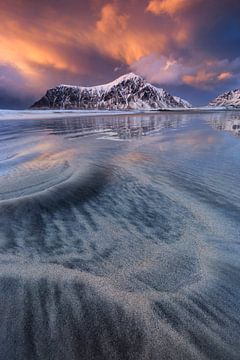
<point>232,123</point>
<point>122,127</point>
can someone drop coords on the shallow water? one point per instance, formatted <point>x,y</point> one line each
<point>119,237</point>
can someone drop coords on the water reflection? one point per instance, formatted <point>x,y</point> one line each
<point>121,127</point>
<point>226,123</point>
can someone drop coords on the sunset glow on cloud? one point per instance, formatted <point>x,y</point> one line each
<point>178,44</point>
<point>170,7</point>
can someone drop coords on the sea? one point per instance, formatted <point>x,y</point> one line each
<point>120,237</point>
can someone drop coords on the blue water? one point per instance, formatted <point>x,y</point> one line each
<point>120,237</point>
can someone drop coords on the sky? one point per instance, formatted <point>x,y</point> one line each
<point>189,47</point>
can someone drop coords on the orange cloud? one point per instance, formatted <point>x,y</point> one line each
<point>28,48</point>
<point>111,20</point>
<point>113,35</point>
<point>42,43</point>
<point>225,76</point>
<point>200,79</point>
<point>170,7</point>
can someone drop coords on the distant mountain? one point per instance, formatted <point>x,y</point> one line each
<point>129,91</point>
<point>230,99</point>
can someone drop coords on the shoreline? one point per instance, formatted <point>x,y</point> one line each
<point>46,114</point>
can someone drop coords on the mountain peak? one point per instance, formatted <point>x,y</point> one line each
<point>128,76</point>
<point>227,99</point>
<point>129,91</point>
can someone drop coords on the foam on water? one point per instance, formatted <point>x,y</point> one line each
<point>120,249</point>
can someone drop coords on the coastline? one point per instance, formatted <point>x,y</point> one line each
<point>46,114</point>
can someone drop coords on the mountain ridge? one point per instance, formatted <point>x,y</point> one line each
<point>227,99</point>
<point>128,92</point>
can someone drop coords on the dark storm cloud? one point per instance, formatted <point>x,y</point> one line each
<point>14,91</point>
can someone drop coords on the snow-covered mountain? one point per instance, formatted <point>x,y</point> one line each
<point>230,99</point>
<point>129,91</point>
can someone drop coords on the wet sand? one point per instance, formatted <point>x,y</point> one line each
<point>119,237</point>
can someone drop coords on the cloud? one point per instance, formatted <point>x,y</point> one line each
<point>12,83</point>
<point>170,7</point>
<point>225,76</point>
<point>160,69</point>
<point>203,74</point>
<point>111,21</point>
<point>202,78</point>
<point>115,36</point>
<point>211,73</point>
